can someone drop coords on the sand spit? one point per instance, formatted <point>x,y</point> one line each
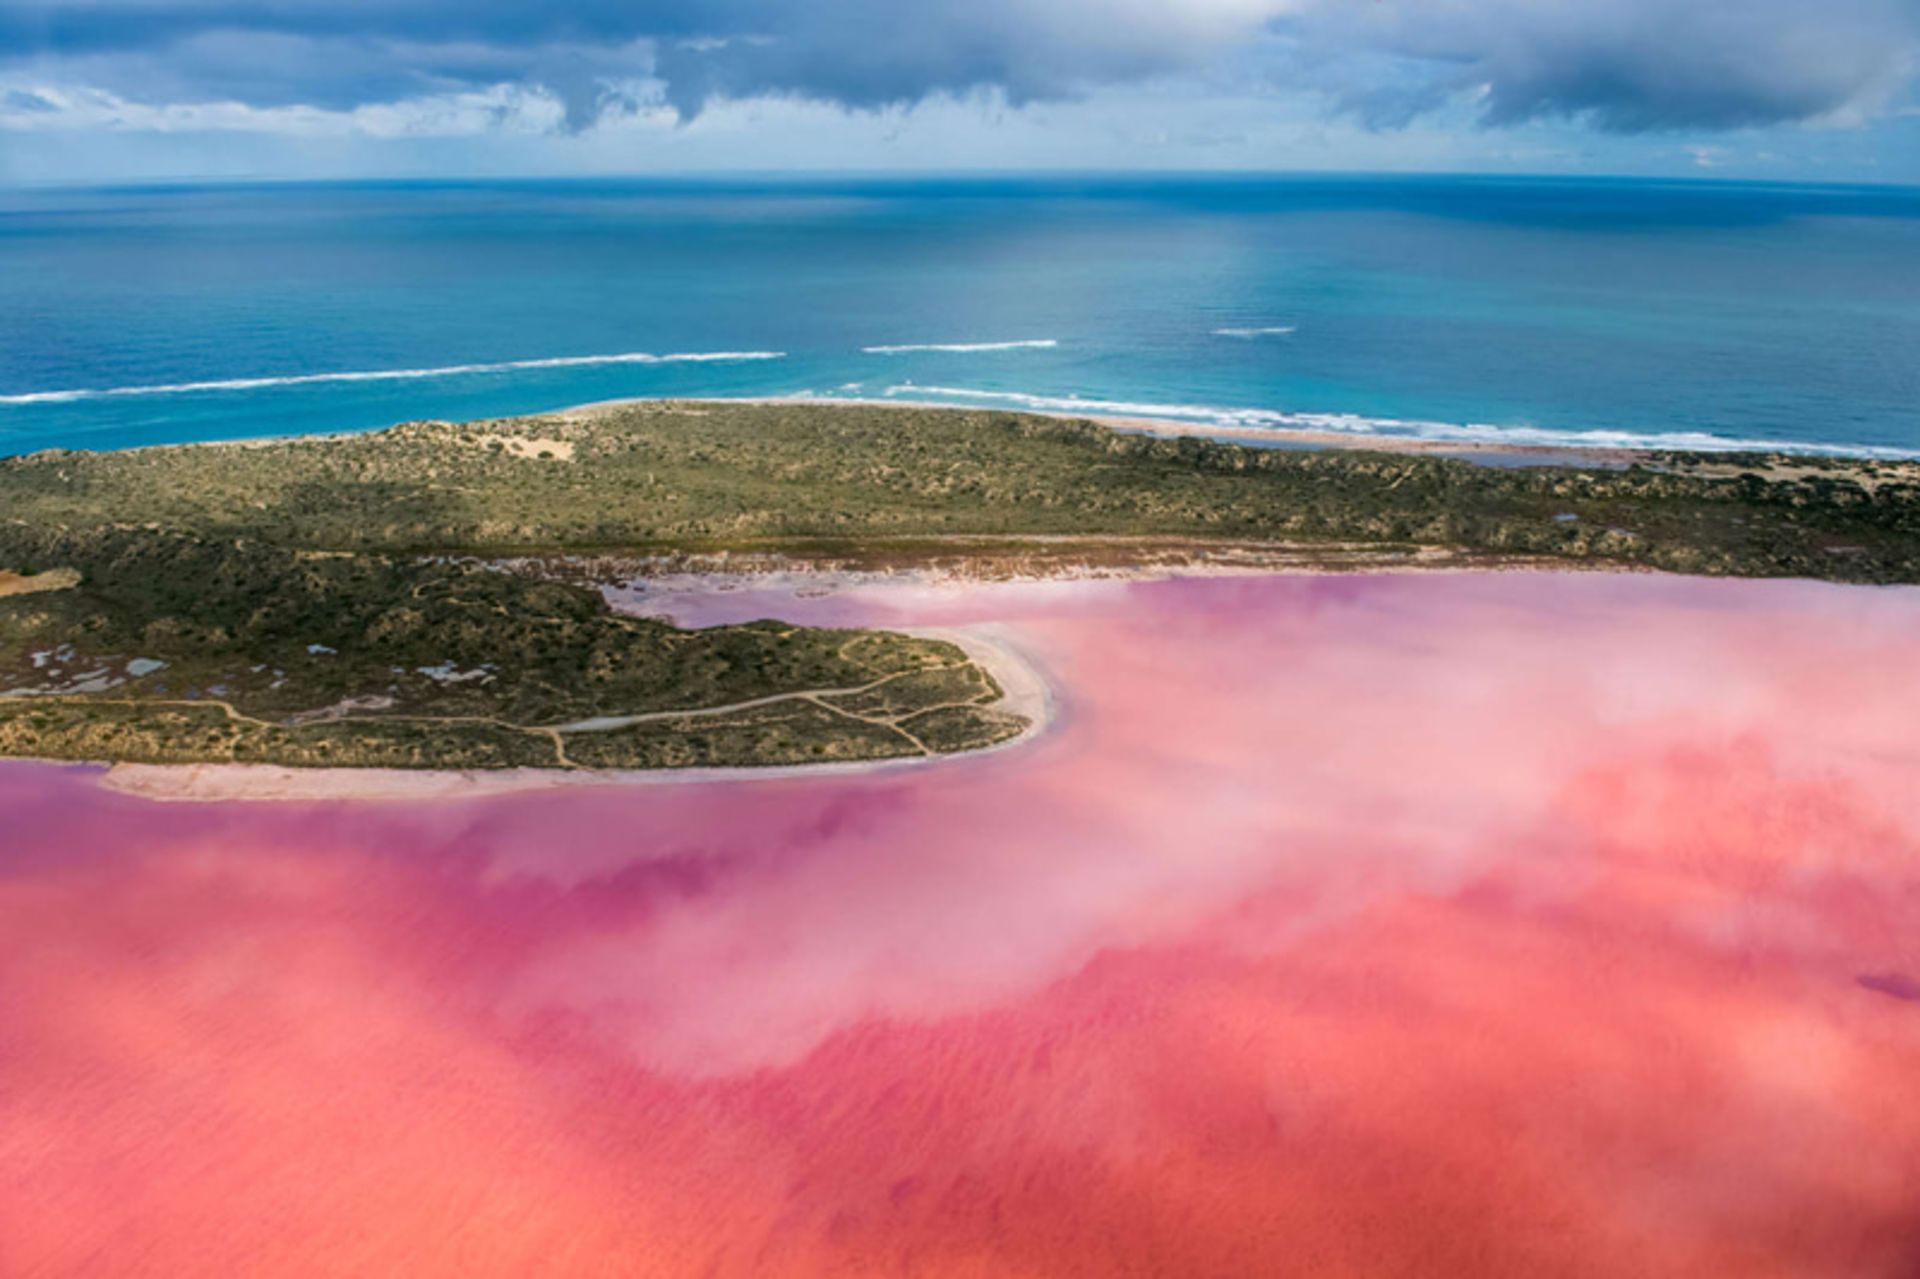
<point>1026,693</point>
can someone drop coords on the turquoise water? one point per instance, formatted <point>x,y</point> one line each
<point>1609,311</point>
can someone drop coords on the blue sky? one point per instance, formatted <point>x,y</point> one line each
<point>1777,89</point>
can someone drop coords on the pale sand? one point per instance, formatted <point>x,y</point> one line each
<point>54,579</point>
<point>1026,693</point>
<point>1542,454</point>
<point>528,448</point>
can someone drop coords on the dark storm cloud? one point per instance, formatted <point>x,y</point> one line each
<point>1627,65</point>
<point>857,53</point>
<point>1624,65</point>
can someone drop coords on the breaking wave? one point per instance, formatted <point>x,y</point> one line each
<point>1028,344</point>
<point>1271,330</point>
<point>1387,427</point>
<point>389,375</point>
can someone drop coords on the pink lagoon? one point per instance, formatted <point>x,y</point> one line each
<point>1476,924</point>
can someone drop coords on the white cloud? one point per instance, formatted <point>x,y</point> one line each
<point>506,108</point>
<point>639,84</point>
<point>1619,64</point>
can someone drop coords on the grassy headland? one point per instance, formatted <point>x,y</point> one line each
<point>671,477</point>
<point>327,601</point>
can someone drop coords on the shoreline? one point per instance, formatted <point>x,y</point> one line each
<point>721,574</point>
<point>1481,452</point>
<point>1494,453</point>
<point>956,557</point>
<point>1477,452</point>
<point>1024,689</point>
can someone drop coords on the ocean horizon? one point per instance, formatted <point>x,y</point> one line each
<point>1486,310</point>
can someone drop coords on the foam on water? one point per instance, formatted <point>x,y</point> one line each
<point>1270,330</point>
<point>1029,344</point>
<point>1727,316</point>
<point>1358,424</point>
<point>391,375</point>
<point>1458,310</point>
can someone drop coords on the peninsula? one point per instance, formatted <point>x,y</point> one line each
<point>425,596</point>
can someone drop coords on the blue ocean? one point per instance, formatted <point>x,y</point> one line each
<point>1686,314</point>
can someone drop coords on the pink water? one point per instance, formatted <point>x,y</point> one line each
<point>1401,925</point>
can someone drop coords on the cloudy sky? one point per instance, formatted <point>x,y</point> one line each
<point>95,89</point>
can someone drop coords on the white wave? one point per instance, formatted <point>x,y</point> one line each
<point>1028,344</point>
<point>389,375</point>
<point>1270,330</point>
<point>1358,424</point>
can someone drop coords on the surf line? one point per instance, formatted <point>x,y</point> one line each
<point>392,375</point>
<point>1028,344</point>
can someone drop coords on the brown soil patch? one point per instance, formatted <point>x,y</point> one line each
<point>56,579</point>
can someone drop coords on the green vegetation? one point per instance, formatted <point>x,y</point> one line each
<point>709,476</point>
<point>173,647</point>
<point>330,601</point>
